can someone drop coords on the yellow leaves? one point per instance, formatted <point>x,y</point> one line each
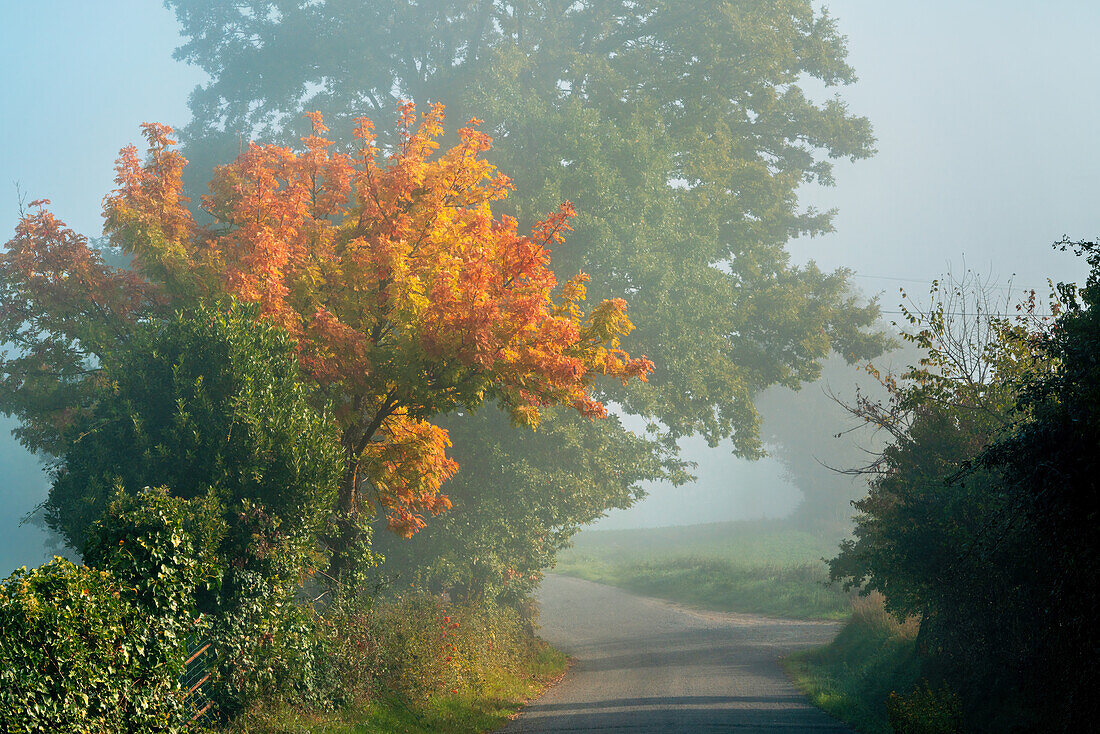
<point>608,322</point>
<point>406,294</point>
<point>408,469</point>
<point>573,293</point>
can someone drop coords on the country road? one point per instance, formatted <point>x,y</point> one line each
<point>643,665</point>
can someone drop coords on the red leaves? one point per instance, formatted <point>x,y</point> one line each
<point>54,271</point>
<point>406,295</point>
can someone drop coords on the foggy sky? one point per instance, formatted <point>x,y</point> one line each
<point>984,113</point>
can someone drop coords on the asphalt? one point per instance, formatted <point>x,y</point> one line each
<point>645,665</point>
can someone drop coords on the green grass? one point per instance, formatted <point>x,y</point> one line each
<point>851,677</point>
<point>762,567</point>
<point>487,708</point>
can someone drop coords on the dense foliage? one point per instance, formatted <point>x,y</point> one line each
<point>210,406</point>
<point>386,282</point>
<point>1049,468</point>
<point>496,543</point>
<point>207,403</point>
<point>101,649</point>
<point>976,524</point>
<point>680,131</point>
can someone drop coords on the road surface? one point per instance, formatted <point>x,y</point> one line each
<point>644,665</point>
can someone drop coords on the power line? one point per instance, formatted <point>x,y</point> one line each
<point>988,314</point>
<point>928,282</point>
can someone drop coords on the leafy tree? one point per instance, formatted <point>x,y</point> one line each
<point>405,295</point>
<point>941,532</point>
<point>207,403</point>
<point>680,130</point>
<point>817,442</point>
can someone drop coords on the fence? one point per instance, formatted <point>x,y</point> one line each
<point>196,677</point>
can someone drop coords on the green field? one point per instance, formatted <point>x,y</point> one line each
<point>763,567</point>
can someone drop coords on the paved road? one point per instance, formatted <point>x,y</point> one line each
<point>644,665</point>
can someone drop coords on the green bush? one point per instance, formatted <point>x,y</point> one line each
<point>209,404</point>
<point>102,649</point>
<point>925,711</point>
<point>266,644</point>
<point>76,654</point>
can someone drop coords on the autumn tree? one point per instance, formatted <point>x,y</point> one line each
<point>680,130</point>
<point>406,295</point>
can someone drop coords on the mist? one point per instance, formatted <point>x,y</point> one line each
<point>985,155</point>
<point>746,308</point>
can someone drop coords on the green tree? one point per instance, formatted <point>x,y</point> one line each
<point>680,130</point>
<point>206,403</point>
<point>209,405</point>
<point>817,442</point>
<point>494,544</point>
<point>1049,469</point>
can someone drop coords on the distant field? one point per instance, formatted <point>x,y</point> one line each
<point>763,567</point>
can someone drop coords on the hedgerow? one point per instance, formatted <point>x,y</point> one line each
<point>102,649</point>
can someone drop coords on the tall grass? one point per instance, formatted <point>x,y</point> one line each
<point>415,664</point>
<point>852,677</point>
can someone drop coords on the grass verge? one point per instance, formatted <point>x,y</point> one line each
<point>481,708</point>
<point>851,678</point>
<point>414,663</point>
<point>757,567</point>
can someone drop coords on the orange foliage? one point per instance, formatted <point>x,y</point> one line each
<point>407,296</point>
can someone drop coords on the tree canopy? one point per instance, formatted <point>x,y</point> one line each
<point>405,294</point>
<point>207,403</point>
<point>680,131</point>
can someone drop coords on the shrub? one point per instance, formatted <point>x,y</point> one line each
<point>76,654</point>
<point>102,649</point>
<point>416,645</point>
<point>209,404</point>
<point>925,711</point>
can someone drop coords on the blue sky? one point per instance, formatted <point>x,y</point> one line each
<point>79,79</point>
<point>985,114</point>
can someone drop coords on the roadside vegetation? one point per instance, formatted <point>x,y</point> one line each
<point>420,665</point>
<point>761,567</point>
<point>255,397</point>
<point>852,678</point>
<point>977,533</point>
